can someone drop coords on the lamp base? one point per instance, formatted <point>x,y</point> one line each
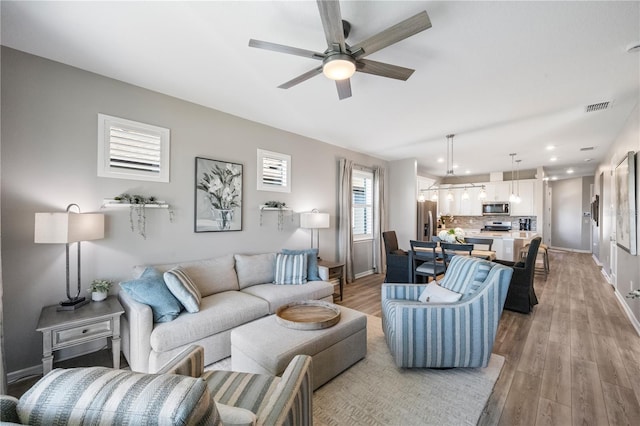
<point>72,304</point>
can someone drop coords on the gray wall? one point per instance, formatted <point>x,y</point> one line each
<point>627,267</point>
<point>49,145</point>
<point>569,228</point>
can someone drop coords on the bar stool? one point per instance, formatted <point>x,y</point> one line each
<point>544,250</point>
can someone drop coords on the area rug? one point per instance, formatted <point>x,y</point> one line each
<point>376,392</point>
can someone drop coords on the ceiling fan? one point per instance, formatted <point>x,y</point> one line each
<point>340,61</point>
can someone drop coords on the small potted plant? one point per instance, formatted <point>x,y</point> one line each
<point>99,289</point>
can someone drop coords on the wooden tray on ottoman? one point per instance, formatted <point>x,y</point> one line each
<point>308,315</point>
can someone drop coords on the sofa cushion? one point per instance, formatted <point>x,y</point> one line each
<point>433,293</point>
<point>98,395</point>
<point>463,274</point>
<point>210,275</point>
<point>181,286</point>
<point>254,269</point>
<point>278,295</point>
<point>218,312</point>
<point>290,269</point>
<point>312,262</point>
<point>151,290</point>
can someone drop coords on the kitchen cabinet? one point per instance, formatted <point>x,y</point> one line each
<point>526,206</point>
<point>459,205</point>
<point>498,191</point>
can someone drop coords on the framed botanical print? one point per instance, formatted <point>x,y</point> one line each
<point>625,181</point>
<point>218,196</point>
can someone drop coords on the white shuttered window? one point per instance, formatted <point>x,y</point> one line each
<point>274,171</point>
<point>362,191</point>
<point>131,150</point>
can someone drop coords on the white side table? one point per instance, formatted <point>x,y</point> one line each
<point>63,329</point>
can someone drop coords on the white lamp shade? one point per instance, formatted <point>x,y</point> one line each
<point>61,228</point>
<point>314,220</point>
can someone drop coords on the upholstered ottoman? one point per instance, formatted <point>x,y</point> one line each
<point>266,347</point>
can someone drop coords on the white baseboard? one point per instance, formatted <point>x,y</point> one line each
<point>606,276</point>
<point>569,249</point>
<point>36,370</point>
<point>365,273</point>
<point>14,376</point>
<point>596,260</point>
<point>627,310</point>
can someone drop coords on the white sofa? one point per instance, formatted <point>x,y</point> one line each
<point>235,289</point>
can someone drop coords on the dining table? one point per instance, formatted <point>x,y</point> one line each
<point>481,254</point>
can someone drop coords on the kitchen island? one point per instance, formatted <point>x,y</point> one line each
<point>506,244</point>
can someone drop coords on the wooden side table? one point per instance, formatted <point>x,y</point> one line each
<point>336,272</point>
<point>64,329</point>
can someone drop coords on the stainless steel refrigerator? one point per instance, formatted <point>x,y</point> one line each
<point>427,225</point>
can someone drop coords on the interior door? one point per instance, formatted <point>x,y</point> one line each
<point>612,239</point>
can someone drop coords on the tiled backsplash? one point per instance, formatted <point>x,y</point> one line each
<point>477,222</point>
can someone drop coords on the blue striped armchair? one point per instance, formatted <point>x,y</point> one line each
<point>439,335</point>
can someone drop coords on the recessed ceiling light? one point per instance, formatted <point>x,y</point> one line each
<point>467,171</point>
<point>455,166</point>
<point>586,160</point>
<point>546,178</point>
<point>550,147</point>
<point>553,158</point>
<point>554,177</point>
<point>569,171</point>
<point>440,160</point>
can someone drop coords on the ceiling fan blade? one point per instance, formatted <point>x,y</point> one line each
<point>303,77</point>
<point>332,23</point>
<point>384,70</point>
<point>286,49</point>
<point>391,35</point>
<point>344,88</point>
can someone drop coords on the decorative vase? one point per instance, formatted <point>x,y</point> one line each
<point>98,296</point>
<point>223,218</point>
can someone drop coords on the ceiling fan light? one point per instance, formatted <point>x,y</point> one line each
<point>339,67</point>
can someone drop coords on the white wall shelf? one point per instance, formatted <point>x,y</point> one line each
<point>108,203</point>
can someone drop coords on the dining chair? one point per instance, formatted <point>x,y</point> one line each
<point>454,249</point>
<point>424,260</point>
<point>488,242</point>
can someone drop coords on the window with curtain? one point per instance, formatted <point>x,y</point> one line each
<point>362,192</point>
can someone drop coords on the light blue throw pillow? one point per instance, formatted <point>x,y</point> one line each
<point>151,290</point>
<point>291,269</point>
<point>312,262</point>
<point>183,288</point>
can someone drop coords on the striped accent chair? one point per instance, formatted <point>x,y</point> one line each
<point>182,394</point>
<point>441,335</point>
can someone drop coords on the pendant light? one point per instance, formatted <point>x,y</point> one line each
<point>483,194</point>
<point>450,154</point>
<point>512,197</point>
<point>518,199</point>
<point>434,196</point>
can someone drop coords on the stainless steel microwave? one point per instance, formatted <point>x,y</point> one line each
<point>496,208</point>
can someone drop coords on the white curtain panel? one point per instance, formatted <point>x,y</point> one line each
<point>3,370</point>
<point>379,219</point>
<point>345,228</point>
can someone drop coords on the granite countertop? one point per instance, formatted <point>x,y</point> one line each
<point>518,235</point>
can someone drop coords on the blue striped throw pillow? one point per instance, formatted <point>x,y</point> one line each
<point>183,288</point>
<point>291,269</point>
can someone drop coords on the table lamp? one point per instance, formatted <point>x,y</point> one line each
<point>314,220</point>
<point>67,228</point>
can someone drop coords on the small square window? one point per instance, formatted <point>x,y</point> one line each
<point>274,171</point>
<point>131,150</point>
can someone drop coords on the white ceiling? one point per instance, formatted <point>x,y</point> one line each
<point>505,77</point>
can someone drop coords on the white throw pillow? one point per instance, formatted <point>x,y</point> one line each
<point>433,293</point>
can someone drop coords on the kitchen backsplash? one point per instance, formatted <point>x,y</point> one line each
<point>477,222</point>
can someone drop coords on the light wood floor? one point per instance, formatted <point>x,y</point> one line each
<point>575,360</point>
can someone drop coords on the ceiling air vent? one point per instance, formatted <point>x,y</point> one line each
<point>597,107</point>
<point>587,148</point>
